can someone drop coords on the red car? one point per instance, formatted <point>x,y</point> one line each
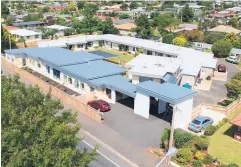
<point>221,68</point>
<point>101,105</point>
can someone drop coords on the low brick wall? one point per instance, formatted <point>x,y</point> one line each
<point>64,97</point>
<point>226,110</point>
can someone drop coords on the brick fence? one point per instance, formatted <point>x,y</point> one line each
<point>226,110</point>
<point>64,97</point>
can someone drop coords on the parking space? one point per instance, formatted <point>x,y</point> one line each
<point>144,132</point>
<point>218,90</point>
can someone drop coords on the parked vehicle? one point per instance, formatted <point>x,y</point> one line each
<point>199,123</point>
<point>100,105</point>
<point>222,68</point>
<point>232,59</point>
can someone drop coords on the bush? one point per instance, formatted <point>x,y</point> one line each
<point>165,139</point>
<point>208,160</point>
<point>210,130</point>
<point>184,156</point>
<point>202,143</point>
<point>168,38</point>
<point>199,155</point>
<point>136,54</point>
<point>221,48</point>
<point>234,86</point>
<point>183,139</point>
<point>212,37</point>
<point>197,163</point>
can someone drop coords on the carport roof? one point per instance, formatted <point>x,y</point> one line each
<point>117,82</point>
<point>167,92</point>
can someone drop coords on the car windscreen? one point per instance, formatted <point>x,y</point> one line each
<point>196,122</point>
<point>106,104</point>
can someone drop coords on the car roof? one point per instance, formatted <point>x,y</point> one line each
<point>222,65</point>
<point>201,118</point>
<point>100,101</point>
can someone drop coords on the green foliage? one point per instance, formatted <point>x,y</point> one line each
<point>141,50</point>
<point>184,156</point>
<point>183,139</point>
<point>107,27</point>
<point>165,20</point>
<point>69,31</point>
<point>233,39</point>
<point>80,5</point>
<point>32,17</point>
<point>180,41</point>
<point>208,160</point>
<point>193,36</point>
<point>9,20</point>
<point>34,133</point>
<point>202,143</point>
<point>168,38</point>
<point>5,44</point>
<point>124,16</point>
<point>133,5</point>
<point>187,14</point>
<point>221,48</point>
<point>136,54</point>
<point>234,86</point>
<point>4,9</point>
<point>199,155</point>
<point>143,28</point>
<point>212,37</point>
<point>165,138</point>
<point>124,6</point>
<point>197,163</point>
<point>210,130</point>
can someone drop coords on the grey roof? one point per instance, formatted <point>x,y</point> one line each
<point>117,82</point>
<point>170,79</point>
<point>56,56</point>
<point>167,92</point>
<point>28,23</point>
<point>94,69</point>
<point>122,21</point>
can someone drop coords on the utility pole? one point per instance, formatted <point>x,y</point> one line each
<point>10,44</point>
<point>172,131</point>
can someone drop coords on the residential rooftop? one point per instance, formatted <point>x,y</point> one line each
<point>227,29</point>
<point>23,32</point>
<point>57,27</point>
<point>28,23</point>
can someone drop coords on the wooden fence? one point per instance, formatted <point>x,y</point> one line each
<point>226,110</point>
<point>64,97</point>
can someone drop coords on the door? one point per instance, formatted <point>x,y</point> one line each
<point>24,62</point>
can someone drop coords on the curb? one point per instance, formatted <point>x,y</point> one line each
<point>110,149</point>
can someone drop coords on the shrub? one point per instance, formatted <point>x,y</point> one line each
<point>210,130</point>
<point>220,124</point>
<point>197,163</point>
<point>183,139</point>
<point>199,155</point>
<point>211,37</point>
<point>168,38</point>
<point>184,156</point>
<point>221,48</point>
<point>202,143</point>
<point>136,54</point>
<point>226,119</point>
<point>208,160</point>
<point>165,139</point>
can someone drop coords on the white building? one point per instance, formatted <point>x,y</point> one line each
<point>27,35</point>
<point>59,29</point>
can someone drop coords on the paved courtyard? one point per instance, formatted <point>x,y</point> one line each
<point>218,90</point>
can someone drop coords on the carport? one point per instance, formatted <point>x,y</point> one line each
<point>118,87</point>
<point>167,93</point>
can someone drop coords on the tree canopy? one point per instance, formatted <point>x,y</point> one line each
<point>168,38</point>
<point>211,37</point>
<point>34,132</point>
<point>180,41</point>
<point>4,9</point>
<point>143,26</point>
<point>5,40</point>
<point>221,48</point>
<point>234,86</point>
<point>187,14</point>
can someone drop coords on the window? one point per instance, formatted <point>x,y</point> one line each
<point>36,36</point>
<point>70,80</point>
<point>82,86</point>
<point>92,89</point>
<point>149,52</point>
<point>28,37</point>
<point>65,78</point>
<point>76,84</point>
<point>56,73</point>
<point>48,69</point>
<point>39,65</point>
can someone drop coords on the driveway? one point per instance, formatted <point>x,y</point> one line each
<point>218,90</point>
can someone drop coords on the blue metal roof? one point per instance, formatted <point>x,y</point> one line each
<point>94,69</point>
<point>167,92</point>
<point>117,82</point>
<point>57,56</point>
<point>169,78</point>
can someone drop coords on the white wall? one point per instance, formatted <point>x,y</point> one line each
<point>135,79</point>
<point>142,105</point>
<point>183,115</point>
<point>206,72</point>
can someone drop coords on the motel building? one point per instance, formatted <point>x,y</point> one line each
<point>187,65</point>
<point>90,74</point>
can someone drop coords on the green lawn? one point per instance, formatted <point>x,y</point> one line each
<point>223,146</point>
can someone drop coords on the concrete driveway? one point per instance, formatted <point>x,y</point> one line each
<point>218,90</point>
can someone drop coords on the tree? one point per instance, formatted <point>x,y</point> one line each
<point>156,33</point>
<point>133,5</point>
<point>32,17</point>
<point>4,9</point>
<point>180,41</point>
<point>124,6</point>
<point>9,20</point>
<point>187,14</point>
<point>107,27</point>
<point>212,37</point>
<point>143,27</point>
<point>165,20</point>
<point>34,132</point>
<point>233,39</point>
<point>221,48</point>
<point>5,44</point>
<point>80,5</point>
<point>69,31</point>
<point>193,35</point>
<point>124,16</point>
<point>234,86</point>
<point>168,38</point>
<point>234,22</point>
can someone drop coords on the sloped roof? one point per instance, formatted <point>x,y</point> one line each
<point>236,120</point>
<point>227,29</point>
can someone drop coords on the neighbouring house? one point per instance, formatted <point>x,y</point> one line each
<point>10,28</point>
<point>103,18</point>
<point>226,29</point>
<point>126,28</point>
<point>89,74</point>
<point>30,24</point>
<point>186,27</point>
<point>27,35</point>
<point>58,28</point>
<point>236,121</point>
